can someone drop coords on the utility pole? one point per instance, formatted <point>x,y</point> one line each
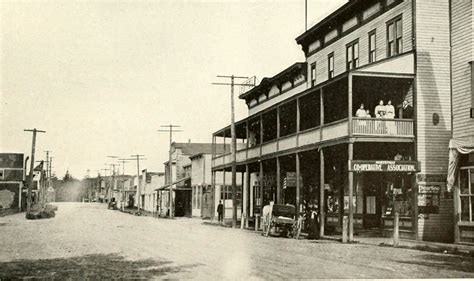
<point>105,178</point>
<point>32,164</point>
<point>233,146</point>
<point>123,160</point>
<point>113,175</point>
<point>113,180</point>
<point>170,164</point>
<point>138,158</point>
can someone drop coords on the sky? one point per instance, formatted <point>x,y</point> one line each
<point>101,77</point>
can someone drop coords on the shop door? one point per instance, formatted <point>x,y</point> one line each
<point>373,187</point>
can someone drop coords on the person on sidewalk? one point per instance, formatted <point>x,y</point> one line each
<point>220,211</point>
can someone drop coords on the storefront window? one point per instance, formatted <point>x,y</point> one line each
<point>466,186</point>
<point>398,196</point>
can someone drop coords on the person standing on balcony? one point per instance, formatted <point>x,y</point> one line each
<point>407,110</point>
<point>390,114</point>
<point>380,110</point>
<point>380,113</point>
<point>361,113</point>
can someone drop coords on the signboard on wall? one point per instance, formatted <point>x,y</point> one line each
<point>428,198</point>
<point>383,166</point>
<point>11,167</point>
<point>11,160</point>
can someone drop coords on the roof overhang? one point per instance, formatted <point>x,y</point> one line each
<point>402,65</point>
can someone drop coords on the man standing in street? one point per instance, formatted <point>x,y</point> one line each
<point>220,210</point>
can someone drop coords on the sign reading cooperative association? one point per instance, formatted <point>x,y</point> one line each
<point>383,166</point>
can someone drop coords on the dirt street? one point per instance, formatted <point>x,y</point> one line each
<point>85,240</point>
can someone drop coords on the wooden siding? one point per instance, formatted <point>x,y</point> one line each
<point>362,33</point>
<point>462,48</point>
<point>433,84</point>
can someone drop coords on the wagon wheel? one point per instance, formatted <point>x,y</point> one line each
<point>297,228</point>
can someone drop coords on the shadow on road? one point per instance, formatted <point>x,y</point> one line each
<point>447,262</point>
<point>98,266</point>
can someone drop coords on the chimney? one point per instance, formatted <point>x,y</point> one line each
<point>189,140</point>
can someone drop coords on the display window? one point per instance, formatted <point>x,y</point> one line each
<point>466,188</point>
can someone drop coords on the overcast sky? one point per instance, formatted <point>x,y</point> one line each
<point>101,76</point>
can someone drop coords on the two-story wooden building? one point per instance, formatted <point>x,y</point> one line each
<point>308,142</point>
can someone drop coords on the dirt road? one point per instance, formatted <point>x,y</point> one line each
<point>85,240</point>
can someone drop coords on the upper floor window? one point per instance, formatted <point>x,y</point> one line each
<point>313,74</point>
<point>331,65</point>
<point>394,37</point>
<point>352,55</point>
<point>372,46</point>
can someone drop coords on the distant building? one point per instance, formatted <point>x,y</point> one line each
<point>12,175</point>
<point>178,176</point>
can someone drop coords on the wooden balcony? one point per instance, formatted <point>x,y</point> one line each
<point>401,129</point>
<point>382,127</point>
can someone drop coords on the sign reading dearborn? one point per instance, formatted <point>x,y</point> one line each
<point>382,166</point>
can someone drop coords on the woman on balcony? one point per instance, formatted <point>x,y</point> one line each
<point>390,114</point>
<point>361,124</point>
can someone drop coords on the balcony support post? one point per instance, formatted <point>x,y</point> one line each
<point>349,110</point>
<point>351,194</point>
<point>321,193</point>
<point>260,176</point>
<point>223,191</point>
<point>213,195</point>
<point>278,181</point>
<point>245,195</point>
<point>298,184</point>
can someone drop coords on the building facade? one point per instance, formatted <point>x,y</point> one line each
<point>461,178</point>
<point>310,141</point>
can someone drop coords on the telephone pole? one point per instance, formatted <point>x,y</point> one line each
<point>170,129</point>
<point>233,146</point>
<point>113,176</point>
<point>123,160</point>
<point>48,173</point>
<point>105,180</point>
<point>113,180</point>
<point>32,163</point>
<point>138,158</point>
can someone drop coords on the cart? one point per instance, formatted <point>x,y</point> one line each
<point>279,220</point>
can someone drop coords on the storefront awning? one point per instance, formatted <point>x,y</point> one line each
<point>174,183</point>
<point>456,148</point>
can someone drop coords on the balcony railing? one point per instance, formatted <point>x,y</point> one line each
<point>367,127</point>
<point>383,127</point>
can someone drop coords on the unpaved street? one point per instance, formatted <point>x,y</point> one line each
<point>87,240</point>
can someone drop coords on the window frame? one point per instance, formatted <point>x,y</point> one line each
<point>397,39</point>
<point>331,65</point>
<point>313,74</point>
<point>372,49</point>
<point>350,49</point>
<point>469,194</point>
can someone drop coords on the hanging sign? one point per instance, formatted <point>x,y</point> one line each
<point>383,166</point>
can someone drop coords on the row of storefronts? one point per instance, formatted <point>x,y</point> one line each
<point>306,141</point>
